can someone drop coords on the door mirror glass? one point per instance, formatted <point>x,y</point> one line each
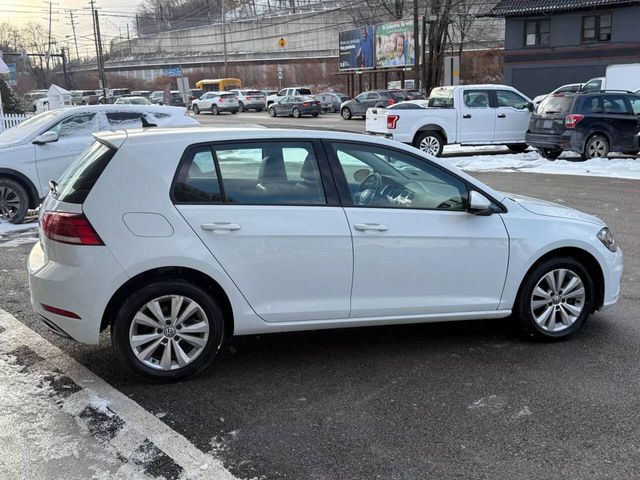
<point>479,204</point>
<point>46,137</point>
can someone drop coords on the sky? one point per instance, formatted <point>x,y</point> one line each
<point>114,17</point>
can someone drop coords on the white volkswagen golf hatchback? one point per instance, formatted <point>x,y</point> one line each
<point>176,239</point>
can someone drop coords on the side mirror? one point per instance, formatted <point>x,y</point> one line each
<point>479,204</point>
<point>531,107</point>
<point>46,137</point>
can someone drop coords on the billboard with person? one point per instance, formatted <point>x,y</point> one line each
<point>356,49</point>
<point>395,44</point>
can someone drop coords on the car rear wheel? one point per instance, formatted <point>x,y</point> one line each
<point>296,113</point>
<point>214,110</point>
<point>596,147</point>
<point>168,330</point>
<point>549,153</point>
<point>14,201</point>
<point>429,142</point>
<point>196,109</point>
<point>555,299</point>
<point>517,147</point>
<point>346,113</point>
<point>272,112</point>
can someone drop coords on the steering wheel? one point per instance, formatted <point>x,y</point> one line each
<point>367,189</point>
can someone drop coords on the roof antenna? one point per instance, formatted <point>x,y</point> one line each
<point>146,123</point>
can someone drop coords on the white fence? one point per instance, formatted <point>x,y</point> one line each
<point>9,120</point>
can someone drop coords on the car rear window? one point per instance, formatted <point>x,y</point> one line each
<point>253,92</point>
<point>556,104</point>
<point>304,91</point>
<point>79,179</point>
<point>228,95</point>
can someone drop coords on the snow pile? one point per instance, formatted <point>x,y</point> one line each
<point>8,227</point>
<point>532,162</point>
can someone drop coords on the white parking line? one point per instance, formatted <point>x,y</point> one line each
<point>140,424</point>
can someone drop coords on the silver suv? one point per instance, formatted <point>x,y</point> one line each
<point>249,100</point>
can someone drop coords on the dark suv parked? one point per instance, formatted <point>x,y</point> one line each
<point>373,98</point>
<point>590,123</point>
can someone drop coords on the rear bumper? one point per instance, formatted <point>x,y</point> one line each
<point>82,282</point>
<point>228,109</point>
<point>552,141</point>
<point>253,105</point>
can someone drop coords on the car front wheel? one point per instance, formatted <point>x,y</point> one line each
<point>296,113</point>
<point>272,112</point>
<point>429,142</point>
<point>168,330</point>
<point>14,201</point>
<point>196,109</point>
<point>214,110</point>
<point>346,113</point>
<point>555,299</point>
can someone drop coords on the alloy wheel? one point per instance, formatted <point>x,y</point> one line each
<point>430,145</point>
<point>169,332</point>
<point>558,300</point>
<point>597,148</point>
<point>9,203</point>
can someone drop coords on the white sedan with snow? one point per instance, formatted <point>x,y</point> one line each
<point>248,231</point>
<point>41,148</point>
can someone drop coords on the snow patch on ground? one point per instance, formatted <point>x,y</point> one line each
<point>532,162</point>
<point>8,227</point>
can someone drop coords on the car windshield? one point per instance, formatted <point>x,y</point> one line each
<point>555,104</point>
<point>28,127</point>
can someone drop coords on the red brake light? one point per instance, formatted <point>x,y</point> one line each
<point>305,104</point>
<point>391,101</point>
<point>392,120</point>
<point>59,311</point>
<point>71,228</point>
<point>220,100</point>
<point>248,99</point>
<point>572,120</point>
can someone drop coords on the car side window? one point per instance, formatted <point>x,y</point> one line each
<point>373,96</point>
<point>476,98</point>
<point>271,173</point>
<point>362,97</point>
<point>197,180</point>
<point>635,104</point>
<point>76,125</point>
<point>592,105</point>
<point>615,104</point>
<point>507,98</point>
<point>386,178</point>
<point>120,120</point>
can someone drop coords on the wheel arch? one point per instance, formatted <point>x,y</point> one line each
<point>32,191</point>
<point>171,273</point>
<point>431,127</point>
<point>592,133</point>
<point>585,258</point>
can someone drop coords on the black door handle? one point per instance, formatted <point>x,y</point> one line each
<point>466,115</point>
<point>502,115</point>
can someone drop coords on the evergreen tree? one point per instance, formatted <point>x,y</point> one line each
<point>10,101</point>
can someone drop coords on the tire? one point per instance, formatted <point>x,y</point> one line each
<point>570,318</point>
<point>596,147</point>
<point>314,114</point>
<point>233,112</point>
<point>241,107</point>
<point>272,112</point>
<point>124,327</point>
<point>346,113</point>
<point>214,110</point>
<point>429,142</point>
<point>549,153</point>
<point>196,109</point>
<point>517,147</point>
<point>14,201</point>
<point>296,113</point>
<point>259,109</point>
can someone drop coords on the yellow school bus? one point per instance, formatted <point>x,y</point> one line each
<point>219,84</point>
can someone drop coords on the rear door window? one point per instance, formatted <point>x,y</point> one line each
<point>592,104</point>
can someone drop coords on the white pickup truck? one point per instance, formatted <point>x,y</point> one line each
<point>466,115</point>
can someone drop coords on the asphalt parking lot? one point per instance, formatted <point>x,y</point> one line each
<point>457,400</point>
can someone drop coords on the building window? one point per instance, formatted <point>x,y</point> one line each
<point>596,28</point>
<point>536,32</point>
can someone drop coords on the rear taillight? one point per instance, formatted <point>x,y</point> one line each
<point>248,99</point>
<point>220,100</point>
<point>572,120</point>
<point>392,120</point>
<point>72,228</point>
<point>60,311</point>
<point>391,101</point>
<point>305,104</point>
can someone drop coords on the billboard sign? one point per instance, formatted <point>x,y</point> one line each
<point>395,44</point>
<point>356,49</point>
<point>172,72</point>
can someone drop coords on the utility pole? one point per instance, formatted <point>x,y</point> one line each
<point>129,40</point>
<point>224,38</point>
<point>416,46</point>
<point>49,43</point>
<point>75,40</point>
<point>67,84</point>
<point>101,75</point>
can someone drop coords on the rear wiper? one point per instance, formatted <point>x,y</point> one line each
<point>553,111</point>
